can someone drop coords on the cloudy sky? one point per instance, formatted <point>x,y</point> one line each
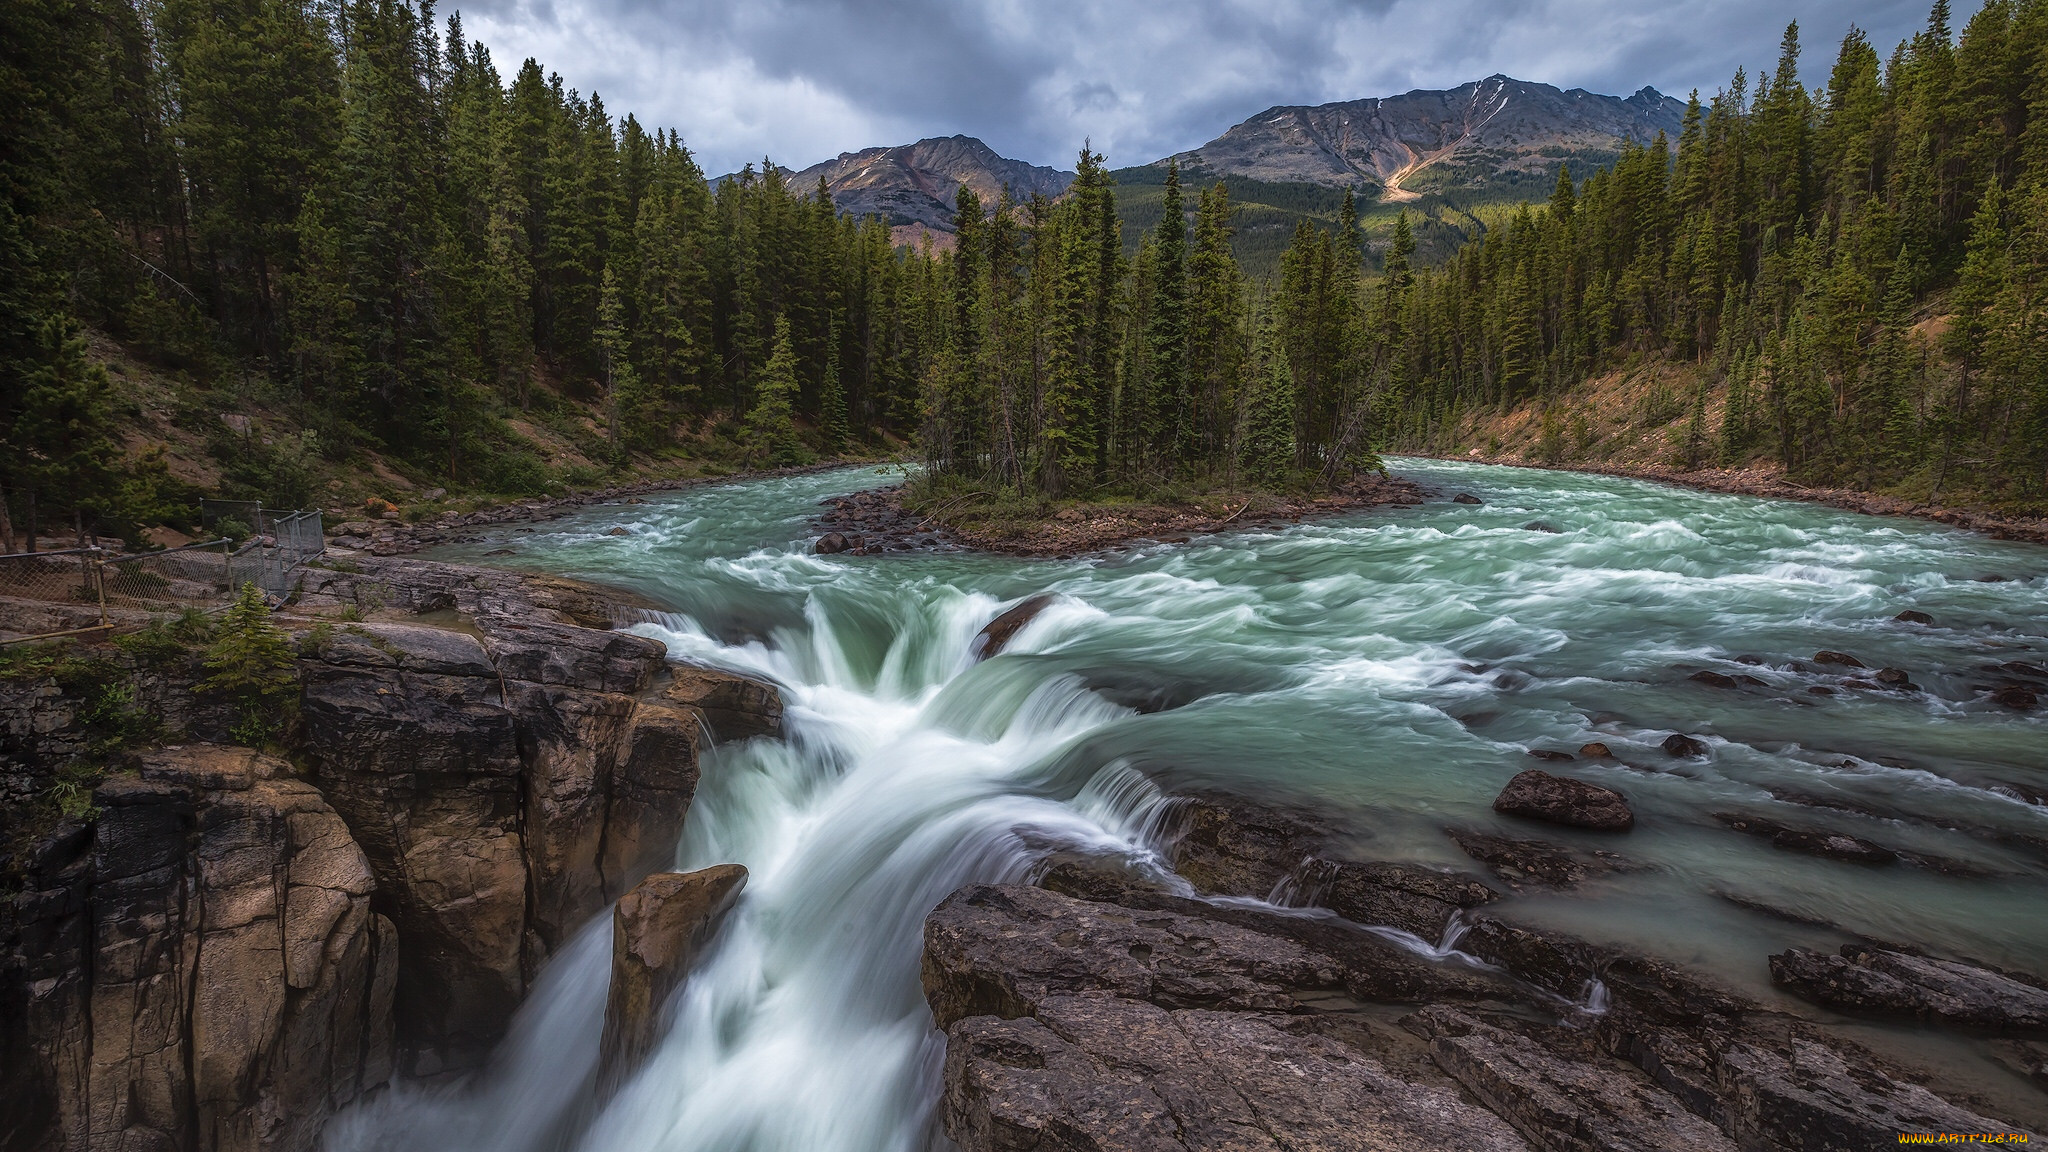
<point>802,80</point>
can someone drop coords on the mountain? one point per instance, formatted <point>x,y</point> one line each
<point>912,186</point>
<point>1461,138</point>
<point>1446,157</point>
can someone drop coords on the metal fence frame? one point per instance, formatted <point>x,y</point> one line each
<point>171,578</point>
<point>88,589</point>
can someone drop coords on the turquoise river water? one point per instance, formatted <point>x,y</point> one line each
<point>1392,666</point>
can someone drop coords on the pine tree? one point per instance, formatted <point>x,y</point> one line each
<point>771,423</point>
<point>832,419</point>
<point>1266,446</point>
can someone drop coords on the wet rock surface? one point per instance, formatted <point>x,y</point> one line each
<point>1536,861</point>
<point>506,784</point>
<point>1562,800</point>
<point>873,522</point>
<point>736,707</point>
<point>658,929</point>
<point>1879,981</point>
<point>1099,1073</point>
<point>997,633</point>
<point>1559,1090</point>
<point>1809,841</point>
<point>1104,1011</point>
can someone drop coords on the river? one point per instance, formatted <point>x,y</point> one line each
<point>1392,667</point>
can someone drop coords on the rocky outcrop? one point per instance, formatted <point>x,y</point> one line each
<point>1104,1011</point>
<point>657,930</point>
<point>202,966</point>
<point>997,633</point>
<point>370,584</point>
<point>497,780</point>
<point>1098,1073</point>
<point>412,740</point>
<point>1557,1092</point>
<point>1882,982</point>
<point>506,786</point>
<point>1563,800</point>
<point>735,707</point>
<point>1085,1025</point>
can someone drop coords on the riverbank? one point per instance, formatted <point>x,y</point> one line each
<point>881,521</point>
<point>392,535</point>
<point>1773,485</point>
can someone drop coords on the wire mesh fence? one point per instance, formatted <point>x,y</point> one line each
<point>174,577</point>
<point>203,575</point>
<point>66,576</point>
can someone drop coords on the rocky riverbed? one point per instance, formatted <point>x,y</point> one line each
<point>1383,1007</point>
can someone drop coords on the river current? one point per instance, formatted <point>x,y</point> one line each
<point>1392,667</point>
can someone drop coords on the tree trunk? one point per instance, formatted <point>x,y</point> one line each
<point>6,525</point>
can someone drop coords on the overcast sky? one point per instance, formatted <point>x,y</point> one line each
<point>803,80</point>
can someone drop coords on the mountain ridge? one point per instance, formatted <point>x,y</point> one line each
<point>912,186</point>
<point>1386,141</point>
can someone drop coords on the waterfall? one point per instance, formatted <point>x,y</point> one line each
<point>804,1028</point>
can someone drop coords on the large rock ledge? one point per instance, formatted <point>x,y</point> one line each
<point>231,945</point>
<point>203,966</point>
<point>1098,1012</point>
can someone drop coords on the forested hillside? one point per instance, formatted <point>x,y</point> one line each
<point>337,218</point>
<point>1855,274</point>
<point>351,224</point>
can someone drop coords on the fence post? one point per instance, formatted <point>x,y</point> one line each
<point>99,582</point>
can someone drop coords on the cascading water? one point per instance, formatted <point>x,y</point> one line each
<point>1393,666</point>
<point>805,1027</point>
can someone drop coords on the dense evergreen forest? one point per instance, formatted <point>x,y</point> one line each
<point>350,211</point>
<point>1855,274</point>
<point>1858,272</point>
<point>337,209</point>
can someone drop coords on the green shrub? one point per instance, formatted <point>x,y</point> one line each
<point>252,663</point>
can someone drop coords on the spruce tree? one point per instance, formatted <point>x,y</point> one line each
<point>771,423</point>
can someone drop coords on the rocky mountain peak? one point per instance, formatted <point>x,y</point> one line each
<point>1409,144</point>
<point>912,186</point>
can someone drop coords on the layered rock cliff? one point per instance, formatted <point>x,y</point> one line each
<point>223,946</point>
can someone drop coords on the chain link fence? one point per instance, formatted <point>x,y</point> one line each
<point>204,575</point>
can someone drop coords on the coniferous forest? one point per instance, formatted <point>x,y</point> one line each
<point>348,209</point>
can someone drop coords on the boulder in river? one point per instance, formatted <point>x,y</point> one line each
<point>1841,659</point>
<point>998,633</point>
<point>1562,800</point>
<point>657,930</point>
<point>1683,746</point>
<point>1594,751</point>
<point>1466,498</point>
<point>1913,616</point>
<point>2015,697</point>
<point>1551,755</point>
<point>1879,981</point>
<point>1713,679</point>
<point>1538,526</point>
<point>830,543</point>
<point>1535,862</point>
<point>1896,678</point>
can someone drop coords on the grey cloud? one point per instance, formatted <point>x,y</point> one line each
<point>800,80</point>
